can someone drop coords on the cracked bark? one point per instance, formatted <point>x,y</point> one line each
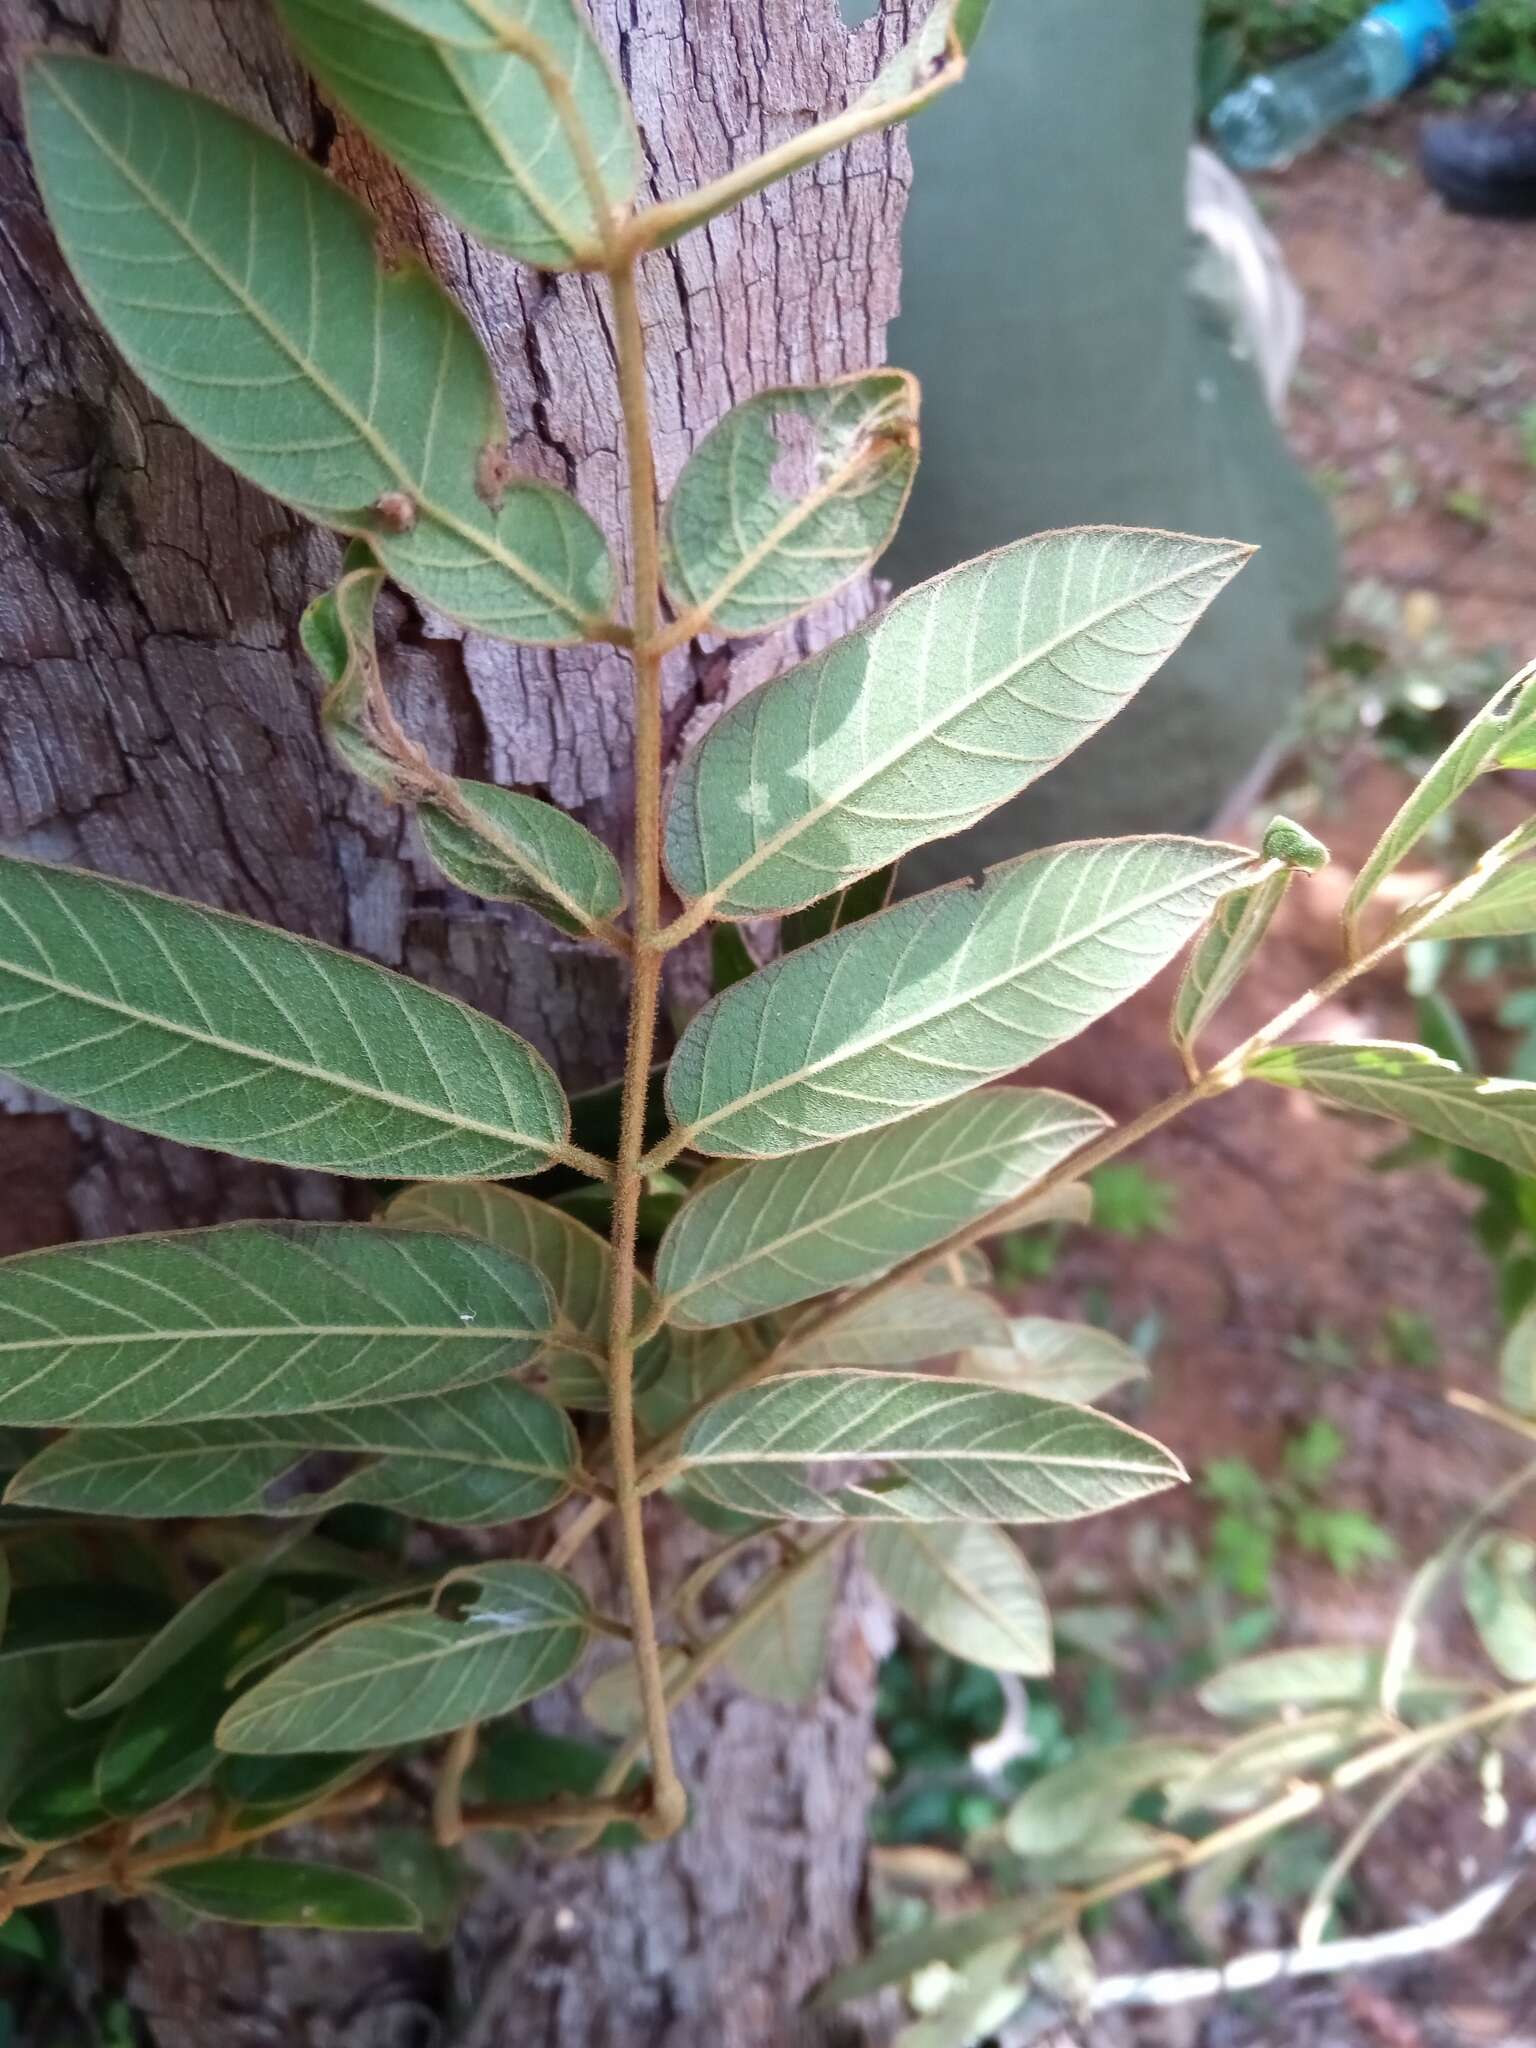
<point>157,721</point>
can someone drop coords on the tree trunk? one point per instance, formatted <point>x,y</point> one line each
<point>158,721</point>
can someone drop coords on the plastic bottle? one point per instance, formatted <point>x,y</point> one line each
<point>1274,117</point>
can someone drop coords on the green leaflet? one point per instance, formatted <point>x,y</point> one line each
<point>1310,1675</point>
<point>56,1798</point>
<point>946,704</point>
<point>259,1891</point>
<point>967,1587</point>
<point>574,1261</point>
<point>702,1363</point>
<point>262,1784</point>
<point>1080,1799</point>
<point>490,841</point>
<point>918,1004</point>
<point>930,63</point>
<point>248,292</point>
<point>516,849</point>
<point>483,1454</point>
<point>1258,1763</point>
<point>1517,1365</point>
<point>1416,1087</point>
<point>205,1615</point>
<point>463,106</point>
<point>43,1619</point>
<point>1059,1361</point>
<point>793,494</point>
<point>206,1028</point>
<point>906,1325</point>
<point>1503,908</point>
<point>818,920</point>
<point>406,1676</point>
<point>1220,956</point>
<point>783,1654</point>
<point>768,1236</point>
<point>257,1319</point>
<point>1475,749</point>
<point>1498,1587</point>
<point>955,1451</point>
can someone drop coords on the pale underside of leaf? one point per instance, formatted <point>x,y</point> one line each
<point>783,1655</point>
<point>257,1319</point>
<point>771,1235</point>
<point>520,166</point>
<point>203,1027</point>
<point>1221,954</point>
<point>921,1003</point>
<point>1503,908</point>
<point>953,1451</point>
<point>952,700</point>
<point>515,849</point>
<point>968,1587</point>
<point>409,1676</point>
<point>485,1454</point>
<point>1417,1088</point>
<point>906,1325</point>
<point>746,551</point>
<point>574,1261</point>
<point>1081,1798</point>
<point>247,290</point>
<point>1058,1360</point>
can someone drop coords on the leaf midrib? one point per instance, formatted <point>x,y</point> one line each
<point>770,1248</point>
<point>412,486</point>
<point>251,1332</point>
<point>859,1047</point>
<point>768,848</point>
<point>343,1083</point>
<point>493,1459</point>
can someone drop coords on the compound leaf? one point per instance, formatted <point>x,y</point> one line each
<point>954,1451</point>
<point>1417,1088</point>
<point>483,1454</point>
<point>248,291</point>
<point>967,1587</point>
<point>203,1027</point>
<point>574,1261</point>
<point>410,1675</point>
<point>771,1235</point>
<point>946,704</point>
<point>461,98</point>
<point>257,1319</point>
<point>259,1891</point>
<point>793,494</point>
<point>918,1004</point>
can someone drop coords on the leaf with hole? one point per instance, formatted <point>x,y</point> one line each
<point>199,1026</point>
<point>576,1265</point>
<point>516,1630</point>
<point>258,1319</point>
<point>793,494</point>
<point>248,290</point>
<point>920,1003</point>
<point>1498,1587</point>
<point>968,1588</point>
<point>1417,1088</point>
<point>1057,1360</point>
<point>949,702</point>
<point>768,1236</point>
<point>475,1455</point>
<point>953,1451</point>
<point>507,113</point>
<point>1474,750</point>
<point>260,1891</point>
<point>906,1325</point>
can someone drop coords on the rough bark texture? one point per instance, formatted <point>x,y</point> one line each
<point>157,722</point>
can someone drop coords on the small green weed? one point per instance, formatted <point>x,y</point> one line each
<point>1260,1515</point>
